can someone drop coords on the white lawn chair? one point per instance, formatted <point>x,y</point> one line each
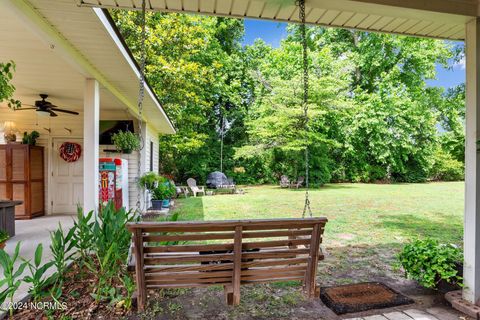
<point>192,183</point>
<point>284,182</point>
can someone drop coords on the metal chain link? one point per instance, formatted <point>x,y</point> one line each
<point>141,94</point>
<point>303,33</point>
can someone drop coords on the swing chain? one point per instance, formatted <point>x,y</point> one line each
<point>141,94</point>
<point>303,33</point>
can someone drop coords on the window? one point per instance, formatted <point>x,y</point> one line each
<point>151,155</point>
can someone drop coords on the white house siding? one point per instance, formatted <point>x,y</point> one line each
<point>152,136</point>
<point>28,121</point>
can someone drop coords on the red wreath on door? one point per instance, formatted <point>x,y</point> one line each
<point>70,151</point>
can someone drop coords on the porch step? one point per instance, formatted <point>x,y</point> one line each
<point>456,299</point>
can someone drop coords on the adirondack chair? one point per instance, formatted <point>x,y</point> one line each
<point>298,183</point>
<point>284,182</point>
<point>192,183</point>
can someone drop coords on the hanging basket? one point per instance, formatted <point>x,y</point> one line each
<point>70,151</point>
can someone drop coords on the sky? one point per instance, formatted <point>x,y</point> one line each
<point>273,32</point>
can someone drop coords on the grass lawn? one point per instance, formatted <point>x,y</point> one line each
<point>371,214</point>
<point>368,224</point>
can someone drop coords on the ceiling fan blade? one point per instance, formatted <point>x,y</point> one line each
<point>64,111</point>
<point>52,114</point>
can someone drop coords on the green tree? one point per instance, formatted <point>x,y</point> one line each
<point>195,65</point>
<point>276,120</point>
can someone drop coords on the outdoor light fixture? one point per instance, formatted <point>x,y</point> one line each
<point>43,113</point>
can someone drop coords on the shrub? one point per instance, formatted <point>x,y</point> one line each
<point>428,262</point>
<point>446,168</point>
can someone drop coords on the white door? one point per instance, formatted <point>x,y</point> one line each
<point>66,186</point>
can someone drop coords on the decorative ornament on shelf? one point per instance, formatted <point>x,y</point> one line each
<point>70,151</point>
<point>9,132</point>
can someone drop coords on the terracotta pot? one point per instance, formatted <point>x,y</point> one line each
<point>3,244</point>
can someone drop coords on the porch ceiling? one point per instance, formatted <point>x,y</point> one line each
<point>438,19</point>
<point>39,70</point>
<point>56,46</point>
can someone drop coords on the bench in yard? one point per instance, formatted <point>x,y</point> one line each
<point>175,255</point>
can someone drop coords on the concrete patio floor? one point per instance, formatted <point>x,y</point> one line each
<point>31,233</point>
<point>437,313</point>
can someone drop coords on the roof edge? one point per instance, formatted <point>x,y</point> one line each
<point>133,62</point>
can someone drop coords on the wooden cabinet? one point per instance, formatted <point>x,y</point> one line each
<point>22,178</point>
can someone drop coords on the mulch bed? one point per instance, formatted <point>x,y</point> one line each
<point>361,297</point>
<point>76,296</point>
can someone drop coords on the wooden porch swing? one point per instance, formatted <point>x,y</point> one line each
<point>238,252</point>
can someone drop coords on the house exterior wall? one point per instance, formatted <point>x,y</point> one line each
<point>28,121</point>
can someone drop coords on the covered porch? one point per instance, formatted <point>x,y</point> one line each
<point>446,19</point>
<point>93,75</point>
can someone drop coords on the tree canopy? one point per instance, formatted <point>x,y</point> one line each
<point>372,116</point>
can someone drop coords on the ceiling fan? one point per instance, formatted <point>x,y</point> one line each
<point>46,108</point>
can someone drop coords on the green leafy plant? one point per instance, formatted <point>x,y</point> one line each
<point>428,262</point>
<point>30,138</point>
<point>37,278</point>
<point>11,275</point>
<point>3,236</point>
<point>6,88</point>
<point>126,141</point>
<point>164,190</point>
<point>110,245</point>
<point>129,286</point>
<point>62,246</point>
<point>149,181</point>
<point>83,235</point>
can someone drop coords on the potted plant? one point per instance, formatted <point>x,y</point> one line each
<point>433,264</point>
<point>163,193</point>
<point>3,238</point>
<point>149,181</point>
<point>126,141</point>
<point>30,138</point>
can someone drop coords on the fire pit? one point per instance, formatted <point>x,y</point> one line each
<point>7,216</point>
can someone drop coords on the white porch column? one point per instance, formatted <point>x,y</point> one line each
<point>471,290</point>
<point>91,119</point>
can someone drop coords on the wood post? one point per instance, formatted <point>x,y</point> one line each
<point>310,275</point>
<point>471,273</point>
<point>139,272</point>
<point>237,264</point>
<point>91,119</point>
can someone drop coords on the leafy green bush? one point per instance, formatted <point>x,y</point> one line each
<point>446,168</point>
<point>4,236</point>
<point>164,190</point>
<point>126,141</point>
<point>428,262</point>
